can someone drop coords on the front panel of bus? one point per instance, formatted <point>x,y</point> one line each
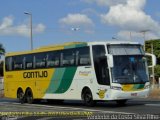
<point>129,72</point>
<point>127,77</point>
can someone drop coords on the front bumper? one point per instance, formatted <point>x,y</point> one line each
<point>118,95</point>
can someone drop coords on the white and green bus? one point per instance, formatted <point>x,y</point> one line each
<point>88,71</point>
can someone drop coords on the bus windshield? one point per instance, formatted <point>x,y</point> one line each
<point>129,69</point>
<point>129,64</point>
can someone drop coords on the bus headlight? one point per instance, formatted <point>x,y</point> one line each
<point>116,88</point>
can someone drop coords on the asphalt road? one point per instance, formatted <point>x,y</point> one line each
<point>134,109</point>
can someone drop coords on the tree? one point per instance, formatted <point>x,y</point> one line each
<point>156,48</point>
<point>156,52</point>
<point>2,52</point>
<point>157,70</point>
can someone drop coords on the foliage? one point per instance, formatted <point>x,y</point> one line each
<point>157,70</point>
<point>1,68</point>
<point>156,48</point>
<point>156,51</point>
<point>2,50</point>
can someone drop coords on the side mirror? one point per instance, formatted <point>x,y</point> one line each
<point>153,59</point>
<point>110,60</point>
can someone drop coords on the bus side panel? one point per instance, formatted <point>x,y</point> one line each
<point>33,79</point>
<point>10,84</point>
<point>60,83</point>
<point>84,78</point>
<point>42,84</point>
<point>79,78</point>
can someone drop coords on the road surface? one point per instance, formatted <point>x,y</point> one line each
<point>134,109</point>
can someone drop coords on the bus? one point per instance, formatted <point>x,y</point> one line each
<point>88,71</point>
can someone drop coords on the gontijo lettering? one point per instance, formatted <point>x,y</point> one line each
<point>35,74</point>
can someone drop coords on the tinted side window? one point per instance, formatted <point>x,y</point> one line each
<point>99,51</point>
<point>18,62</point>
<point>53,59</point>
<point>83,56</point>
<point>40,60</point>
<point>8,63</point>
<point>29,61</point>
<point>101,65</point>
<point>68,57</point>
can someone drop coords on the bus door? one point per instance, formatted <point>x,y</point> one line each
<point>101,65</point>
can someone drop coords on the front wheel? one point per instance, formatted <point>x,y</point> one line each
<point>88,98</point>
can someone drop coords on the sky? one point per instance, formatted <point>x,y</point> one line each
<point>59,21</point>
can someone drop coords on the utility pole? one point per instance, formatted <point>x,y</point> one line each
<point>153,76</point>
<point>75,29</point>
<point>31,40</point>
<point>144,32</point>
<point>130,34</point>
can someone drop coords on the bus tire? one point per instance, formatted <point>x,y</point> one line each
<point>20,96</point>
<point>121,102</point>
<point>29,96</point>
<point>88,98</point>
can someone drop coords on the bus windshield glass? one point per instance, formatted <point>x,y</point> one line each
<point>129,64</point>
<point>129,69</point>
<point>125,49</point>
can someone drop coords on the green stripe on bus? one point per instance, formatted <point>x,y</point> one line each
<point>81,45</point>
<point>66,80</point>
<point>70,46</point>
<point>56,80</point>
<point>138,86</point>
<point>75,46</point>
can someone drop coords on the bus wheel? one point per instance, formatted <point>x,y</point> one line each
<point>121,102</point>
<point>20,96</point>
<point>88,98</point>
<point>29,96</point>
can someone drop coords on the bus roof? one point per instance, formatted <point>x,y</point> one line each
<point>67,45</point>
<point>49,48</point>
<point>113,42</point>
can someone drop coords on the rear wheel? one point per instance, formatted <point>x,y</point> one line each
<point>88,98</point>
<point>29,96</point>
<point>20,96</point>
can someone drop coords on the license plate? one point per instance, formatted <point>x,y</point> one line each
<point>133,94</point>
